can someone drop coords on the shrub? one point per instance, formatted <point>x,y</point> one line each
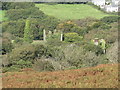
<point>73,55</point>
<point>6,45</point>
<point>43,65</point>
<point>16,28</point>
<point>85,22</point>
<point>25,52</point>
<point>40,50</point>
<point>24,64</point>
<point>110,19</point>
<point>28,37</point>
<point>10,69</point>
<point>54,42</point>
<point>18,40</point>
<point>16,5</point>
<point>91,59</point>
<point>55,37</point>
<point>91,47</point>
<point>72,37</point>
<point>33,12</point>
<point>112,53</point>
<point>68,26</point>
<point>4,61</point>
<point>100,25</point>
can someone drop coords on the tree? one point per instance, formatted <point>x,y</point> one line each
<point>28,37</point>
<point>17,5</point>
<point>72,37</point>
<point>6,45</point>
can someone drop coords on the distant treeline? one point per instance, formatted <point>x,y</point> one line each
<point>62,2</point>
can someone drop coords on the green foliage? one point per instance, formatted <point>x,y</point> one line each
<point>19,40</point>
<point>24,64</point>
<point>18,66</point>
<point>49,23</point>
<point>11,69</point>
<point>72,37</point>
<point>110,19</point>
<point>85,22</point>
<point>93,48</point>
<point>68,26</point>
<point>95,6</point>
<point>100,25</point>
<point>53,42</point>
<point>16,28</point>
<point>55,52</point>
<point>16,5</point>
<point>25,52</point>
<point>55,37</point>
<point>40,50</point>
<point>28,37</point>
<point>112,53</point>
<point>109,35</point>
<point>27,23</point>
<point>33,12</point>
<point>2,15</point>
<point>43,65</point>
<point>6,45</point>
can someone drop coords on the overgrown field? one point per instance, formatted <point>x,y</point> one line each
<point>71,11</point>
<point>102,76</point>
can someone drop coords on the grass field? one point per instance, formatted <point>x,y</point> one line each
<point>71,11</point>
<point>2,15</point>
<point>101,76</point>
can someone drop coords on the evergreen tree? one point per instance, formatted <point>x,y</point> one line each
<point>28,37</point>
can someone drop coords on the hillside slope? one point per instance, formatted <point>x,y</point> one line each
<point>71,11</point>
<point>101,76</point>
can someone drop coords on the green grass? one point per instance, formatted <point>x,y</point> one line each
<point>2,15</point>
<point>71,11</point>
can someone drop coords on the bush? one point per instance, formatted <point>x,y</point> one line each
<point>72,37</point>
<point>55,37</point>
<point>91,47</point>
<point>110,19</point>
<point>54,42</point>
<point>28,35</point>
<point>86,21</point>
<point>18,40</point>
<point>43,65</point>
<point>33,12</point>
<point>91,59</point>
<point>6,45</point>
<point>25,52</point>
<point>16,28</point>
<point>24,64</point>
<point>40,50</point>
<point>68,26</point>
<point>112,53</point>
<point>100,25</point>
<point>16,5</point>
<point>10,69</point>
